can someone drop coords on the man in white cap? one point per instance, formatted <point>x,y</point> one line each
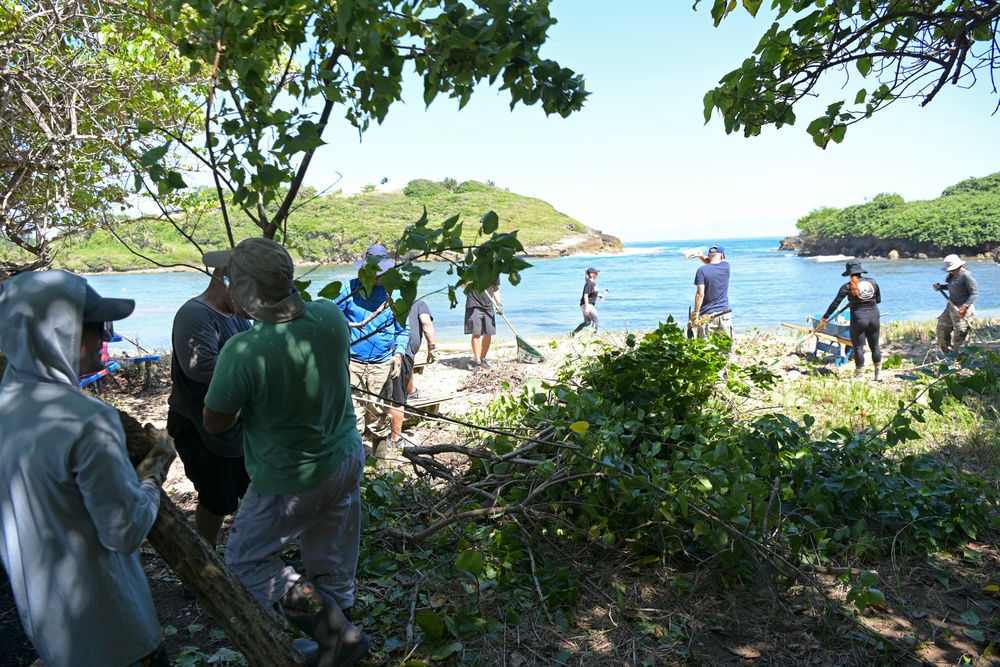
<point>378,344</point>
<point>962,290</point>
<point>288,378</point>
<point>75,510</point>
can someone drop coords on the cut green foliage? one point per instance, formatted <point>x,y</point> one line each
<point>639,453</point>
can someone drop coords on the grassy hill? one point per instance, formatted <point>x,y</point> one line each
<point>330,229</point>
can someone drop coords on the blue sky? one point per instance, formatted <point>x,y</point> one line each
<point>639,162</point>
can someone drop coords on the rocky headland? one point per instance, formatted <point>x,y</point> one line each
<point>870,246</point>
<point>589,242</point>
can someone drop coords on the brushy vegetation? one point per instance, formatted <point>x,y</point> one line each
<point>642,455</point>
<point>328,229</point>
<point>966,215</point>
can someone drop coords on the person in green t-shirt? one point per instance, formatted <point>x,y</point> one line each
<point>288,377</point>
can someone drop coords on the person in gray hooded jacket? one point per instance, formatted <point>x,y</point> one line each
<point>74,510</point>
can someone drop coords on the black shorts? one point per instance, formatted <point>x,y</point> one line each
<point>400,384</point>
<point>480,322</point>
<point>220,481</point>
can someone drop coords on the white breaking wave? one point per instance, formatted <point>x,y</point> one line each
<point>832,258</point>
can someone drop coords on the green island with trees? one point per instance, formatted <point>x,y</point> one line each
<point>631,509</point>
<point>334,228</point>
<point>965,220</point>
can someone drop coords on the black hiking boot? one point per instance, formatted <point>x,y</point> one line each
<point>341,644</point>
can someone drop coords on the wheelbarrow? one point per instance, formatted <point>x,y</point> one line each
<point>834,338</point>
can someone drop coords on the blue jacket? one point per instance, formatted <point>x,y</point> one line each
<point>380,339</point>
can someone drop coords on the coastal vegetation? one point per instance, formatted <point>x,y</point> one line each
<point>333,228</point>
<point>964,219</point>
<point>638,484</point>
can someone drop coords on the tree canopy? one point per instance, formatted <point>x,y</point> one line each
<point>76,77</point>
<point>896,49</point>
<point>279,69</point>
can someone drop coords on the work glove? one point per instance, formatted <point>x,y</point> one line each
<point>157,462</point>
<point>431,357</point>
<point>499,308</point>
<point>395,366</point>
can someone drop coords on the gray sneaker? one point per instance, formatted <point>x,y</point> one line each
<point>485,365</point>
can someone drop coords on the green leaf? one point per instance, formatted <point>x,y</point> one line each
<point>447,651</point>
<point>175,180</point>
<point>969,617</point>
<point>430,623</point>
<point>867,578</point>
<point>393,643</point>
<point>864,66</point>
<point>154,155</point>
<point>490,222</point>
<point>974,634</point>
<point>331,291</point>
<point>752,6</point>
<point>471,561</point>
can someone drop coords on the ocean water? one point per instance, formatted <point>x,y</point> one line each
<point>646,284</point>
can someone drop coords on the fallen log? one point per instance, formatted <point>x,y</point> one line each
<point>257,634</point>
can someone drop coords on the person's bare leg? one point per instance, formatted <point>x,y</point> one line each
<point>395,423</point>
<point>207,524</point>
<point>477,347</point>
<point>485,346</point>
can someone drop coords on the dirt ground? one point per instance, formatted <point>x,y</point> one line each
<point>684,619</point>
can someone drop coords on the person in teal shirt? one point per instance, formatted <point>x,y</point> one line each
<point>288,377</point>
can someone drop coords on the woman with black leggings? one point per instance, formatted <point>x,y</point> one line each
<point>863,296</point>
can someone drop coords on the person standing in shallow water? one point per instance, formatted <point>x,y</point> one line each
<point>588,302</point>
<point>863,295</point>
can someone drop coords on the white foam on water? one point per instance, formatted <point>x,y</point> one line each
<point>832,258</point>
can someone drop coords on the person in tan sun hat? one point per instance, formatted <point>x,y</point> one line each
<point>288,377</point>
<point>962,289</point>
